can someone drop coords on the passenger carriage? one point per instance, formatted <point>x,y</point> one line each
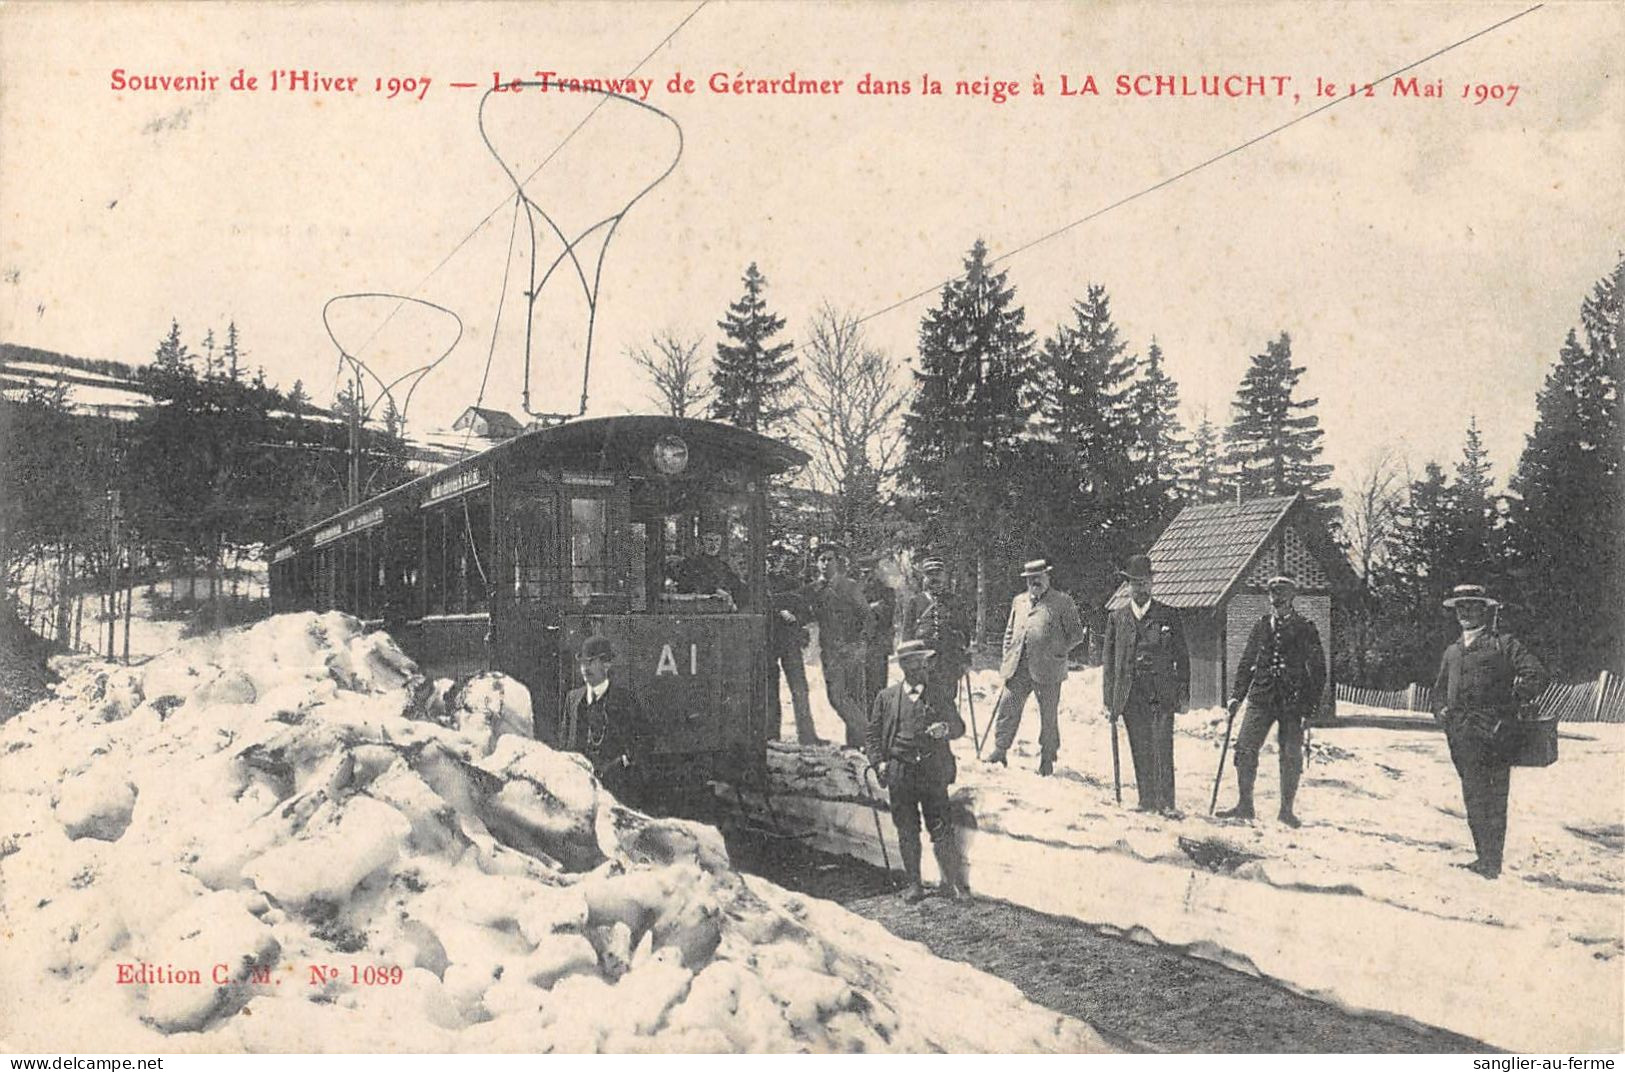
<point>510,558</point>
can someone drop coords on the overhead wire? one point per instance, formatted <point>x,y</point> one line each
<point>489,216</point>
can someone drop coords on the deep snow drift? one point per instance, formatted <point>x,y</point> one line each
<point>350,858</point>
<point>1360,907</point>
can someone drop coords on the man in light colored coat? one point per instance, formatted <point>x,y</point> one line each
<point>1044,626</point>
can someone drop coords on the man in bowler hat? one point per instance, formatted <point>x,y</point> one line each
<point>603,721</point>
<point>1147,682</point>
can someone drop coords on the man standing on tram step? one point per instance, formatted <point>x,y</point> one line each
<point>1147,681</point>
<point>843,616</point>
<point>788,639</point>
<point>880,636</point>
<point>1483,679</point>
<point>935,616</point>
<point>1043,628</point>
<point>603,721</point>
<point>1281,676</point>
<point>907,744</point>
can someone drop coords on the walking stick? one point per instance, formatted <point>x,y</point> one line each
<point>1223,752</point>
<point>991,720</point>
<point>874,810</point>
<point>1117,766</point>
<point>970,698</point>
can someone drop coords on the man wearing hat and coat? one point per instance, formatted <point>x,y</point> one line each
<point>843,621</point>
<point>1147,681</point>
<point>907,744</point>
<point>1043,628</point>
<point>1281,676</point>
<point>1483,679</point>
<point>602,721</point>
<point>936,617</point>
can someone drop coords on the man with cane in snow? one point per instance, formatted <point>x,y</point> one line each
<point>1146,680</point>
<point>1281,676</point>
<point>907,744</point>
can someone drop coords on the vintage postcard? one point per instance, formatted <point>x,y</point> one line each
<point>523,523</point>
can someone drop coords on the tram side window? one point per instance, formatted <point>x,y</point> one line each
<point>434,560</point>
<point>398,572</point>
<point>532,531</point>
<point>589,549</point>
<point>458,540</point>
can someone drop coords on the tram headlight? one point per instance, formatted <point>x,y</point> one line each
<point>670,455</point>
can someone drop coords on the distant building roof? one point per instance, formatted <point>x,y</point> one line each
<point>1203,551</point>
<point>496,423</point>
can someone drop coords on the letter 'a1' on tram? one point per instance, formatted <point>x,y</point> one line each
<point>508,559</point>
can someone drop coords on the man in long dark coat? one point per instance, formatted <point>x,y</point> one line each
<point>1483,678</point>
<point>1147,681</point>
<point>1281,676</point>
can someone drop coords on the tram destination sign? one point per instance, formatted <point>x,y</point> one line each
<point>367,520</point>
<point>455,485</point>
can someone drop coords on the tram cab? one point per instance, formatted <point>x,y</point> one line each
<point>511,558</point>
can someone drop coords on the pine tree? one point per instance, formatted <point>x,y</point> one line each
<point>1566,524</point>
<point>964,427</point>
<point>1274,439</point>
<point>232,355</point>
<point>1202,469</point>
<point>1419,574</point>
<point>1084,375</point>
<point>1159,447</point>
<point>752,377</point>
<point>1477,556</point>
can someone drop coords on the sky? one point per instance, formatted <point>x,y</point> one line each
<point>1427,255</point>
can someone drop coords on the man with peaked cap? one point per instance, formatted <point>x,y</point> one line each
<point>1483,679</point>
<point>1043,628</point>
<point>602,721</point>
<point>907,744</point>
<point>843,619</point>
<point>1147,680</point>
<point>935,616</point>
<point>1281,676</point>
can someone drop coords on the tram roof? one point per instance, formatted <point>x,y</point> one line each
<point>586,434</point>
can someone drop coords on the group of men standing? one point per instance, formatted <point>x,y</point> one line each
<point>905,728</point>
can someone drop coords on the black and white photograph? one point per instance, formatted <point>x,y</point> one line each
<point>833,527</point>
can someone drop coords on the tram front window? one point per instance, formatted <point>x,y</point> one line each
<point>697,548</point>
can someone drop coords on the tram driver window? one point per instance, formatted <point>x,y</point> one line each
<point>589,549</point>
<point>699,547</point>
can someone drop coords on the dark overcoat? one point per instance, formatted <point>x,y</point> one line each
<point>1152,647</point>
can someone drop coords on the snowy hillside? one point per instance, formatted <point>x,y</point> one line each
<point>282,839</point>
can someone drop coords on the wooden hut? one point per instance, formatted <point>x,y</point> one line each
<point>1212,562</point>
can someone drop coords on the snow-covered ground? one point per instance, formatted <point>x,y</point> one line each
<point>1360,906</point>
<point>349,858</point>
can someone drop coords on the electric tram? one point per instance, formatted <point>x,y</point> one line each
<point>509,559</point>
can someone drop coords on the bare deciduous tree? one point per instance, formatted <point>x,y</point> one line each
<point>677,371</point>
<point>1372,505</point>
<point>849,416</point>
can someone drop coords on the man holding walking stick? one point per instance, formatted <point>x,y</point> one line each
<point>1281,676</point>
<point>1146,680</point>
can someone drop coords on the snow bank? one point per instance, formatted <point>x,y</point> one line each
<point>1360,907</point>
<point>283,839</point>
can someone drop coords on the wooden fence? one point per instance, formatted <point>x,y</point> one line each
<point>1601,700</point>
